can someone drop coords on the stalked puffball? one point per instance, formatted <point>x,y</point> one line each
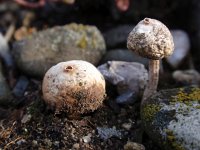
<point>74,87</point>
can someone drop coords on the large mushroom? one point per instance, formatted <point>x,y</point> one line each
<point>151,39</point>
<point>74,87</point>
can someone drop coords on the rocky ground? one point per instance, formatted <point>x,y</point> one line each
<point>32,40</point>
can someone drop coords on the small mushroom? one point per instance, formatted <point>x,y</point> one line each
<point>74,87</point>
<point>151,39</point>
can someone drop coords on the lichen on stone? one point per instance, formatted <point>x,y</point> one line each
<point>82,43</point>
<point>77,27</point>
<point>150,110</point>
<point>172,139</point>
<point>186,97</point>
<point>184,129</point>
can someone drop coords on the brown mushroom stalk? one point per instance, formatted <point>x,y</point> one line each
<point>151,87</point>
<point>151,39</point>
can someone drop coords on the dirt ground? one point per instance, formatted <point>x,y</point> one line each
<point>34,126</point>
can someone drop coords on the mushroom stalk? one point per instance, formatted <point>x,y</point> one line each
<point>152,84</point>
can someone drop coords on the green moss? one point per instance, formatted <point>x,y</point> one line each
<point>149,111</point>
<point>187,97</point>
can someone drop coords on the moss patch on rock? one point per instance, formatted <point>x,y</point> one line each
<point>184,96</point>
<point>149,111</point>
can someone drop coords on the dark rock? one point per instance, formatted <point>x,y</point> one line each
<point>21,86</point>
<point>117,36</point>
<point>5,93</point>
<point>128,97</point>
<point>123,55</point>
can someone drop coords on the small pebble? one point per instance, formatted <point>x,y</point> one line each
<point>35,143</point>
<point>133,146</point>
<point>21,141</point>
<point>26,118</point>
<point>87,139</point>
<point>76,146</point>
<point>21,86</point>
<point>48,142</point>
<point>56,143</point>
<point>106,133</point>
<point>127,126</point>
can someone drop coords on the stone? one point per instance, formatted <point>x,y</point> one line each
<point>181,49</point>
<point>128,97</point>
<point>106,133</point>
<point>5,92</point>
<point>20,86</point>
<point>87,138</point>
<point>35,54</point>
<point>117,36</point>
<point>5,51</point>
<point>187,77</point>
<point>129,77</point>
<point>127,126</point>
<point>172,118</point>
<point>76,146</point>
<point>123,55</point>
<point>26,118</point>
<point>133,146</point>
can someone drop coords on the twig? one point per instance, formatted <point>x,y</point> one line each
<point>12,142</point>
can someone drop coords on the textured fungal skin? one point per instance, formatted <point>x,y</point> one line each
<point>74,87</point>
<point>151,39</point>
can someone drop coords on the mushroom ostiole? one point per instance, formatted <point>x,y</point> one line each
<point>151,39</point>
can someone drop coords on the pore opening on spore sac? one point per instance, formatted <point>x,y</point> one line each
<point>68,68</point>
<point>146,21</point>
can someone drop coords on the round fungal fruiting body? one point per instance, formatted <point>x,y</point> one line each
<point>151,39</point>
<point>74,87</point>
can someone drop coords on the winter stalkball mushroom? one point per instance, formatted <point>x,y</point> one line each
<point>151,39</point>
<point>74,87</point>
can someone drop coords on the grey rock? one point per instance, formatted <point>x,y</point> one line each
<point>106,133</point>
<point>5,93</point>
<point>5,52</point>
<point>117,36</point>
<point>181,47</point>
<point>38,52</point>
<point>133,146</point>
<point>128,97</point>
<point>127,76</point>
<point>187,77</point>
<point>172,118</point>
<point>123,55</point>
